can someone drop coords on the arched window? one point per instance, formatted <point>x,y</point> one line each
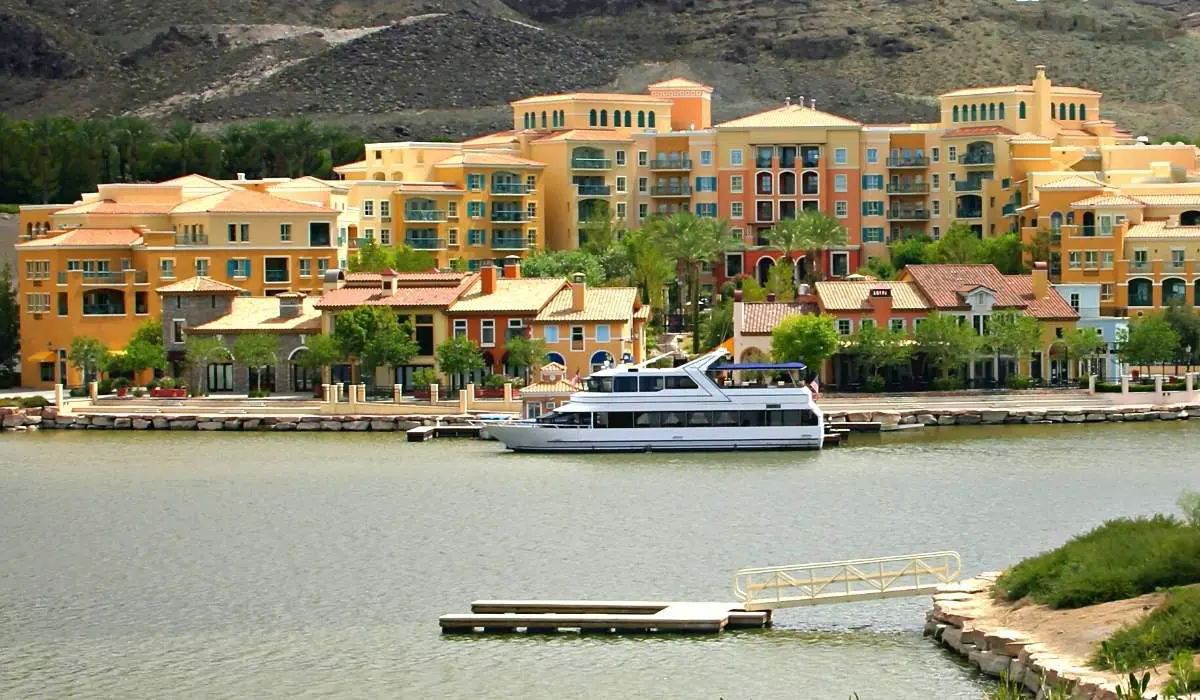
<point>1082,113</point>
<point>955,117</point>
<point>982,111</point>
<point>1001,110</point>
<point>616,117</point>
<point>1174,291</point>
<point>603,118</point>
<point>992,111</point>
<point>1062,111</point>
<point>1072,112</point>
<point>974,113</point>
<point>1021,110</point>
<point>592,118</point>
<point>641,119</point>
<point>543,120</point>
<point>628,121</point>
<point>650,121</point>
<point>556,357</point>
<point>1056,220</point>
<point>1141,292</point>
<point>1051,110</point>
<point>526,120</point>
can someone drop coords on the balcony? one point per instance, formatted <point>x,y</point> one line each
<point>671,164</point>
<point>908,188</point>
<point>968,213</point>
<point>593,190</point>
<point>184,239</point>
<point>591,164</point>
<point>1174,266</point>
<point>1140,266</point>
<point>908,162</point>
<point>908,214</point>
<point>510,243</point>
<point>277,276</point>
<point>103,309</point>
<point>977,158</point>
<point>1056,236</point>
<point>968,186</point>
<point>671,191</point>
<point>421,215</point>
<point>509,188</point>
<point>1009,210</point>
<point>508,217</point>
<point>426,243</point>
<point>103,279</point>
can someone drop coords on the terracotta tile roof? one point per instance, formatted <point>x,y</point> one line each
<point>1052,306</point>
<point>599,304</point>
<point>944,285</point>
<point>1029,137</point>
<point>200,285</point>
<point>409,278</point>
<point>761,317</point>
<point>247,202</point>
<point>351,167</point>
<point>500,137</point>
<point>1108,200</point>
<point>1073,182</point>
<point>104,207</point>
<point>524,295</point>
<point>642,313</point>
<point>562,386</point>
<point>98,237</point>
<point>679,83</point>
<point>854,296</point>
<point>971,131</point>
<point>788,116</point>
<point>585,135</point>
<point>487,158</point>
<point>261,314</point>
<point>1159,229</point>
<point>413,295</point>
<point>198,180</point>
<point>1073,132</point>
<point>992,90</point>
<point>593,97</point>
<point>429,188</point>
<point>307,183</point>
<point>1169,200</point>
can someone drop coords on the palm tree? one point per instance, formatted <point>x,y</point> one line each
<point>182,134</point>
<point>652,270</point>
<point>691,241</point>
<point>811,232</point>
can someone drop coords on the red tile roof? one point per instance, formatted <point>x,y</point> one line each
<point>99,237</point>
<point>944,285</point>
<point>408,296</point>
<point>760,318</point>
<point>1053,306</point>
<point>969,131</point>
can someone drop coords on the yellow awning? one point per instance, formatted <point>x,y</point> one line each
<point>116,352</point>
<point>43,356</point>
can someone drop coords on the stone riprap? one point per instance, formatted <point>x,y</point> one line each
<point>933,416</point>
<point>48,419</point>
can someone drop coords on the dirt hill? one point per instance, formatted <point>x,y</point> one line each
<point>412,68</point>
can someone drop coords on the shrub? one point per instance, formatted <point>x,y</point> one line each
<point>423,377</point>
<point>77,393</point>
<point>120,383</point>
<point>1189,503</point>
<point>258,393</point>
<point>1174,386</point>
<point>1108,388</point>
<point>139,392</point>
<point>34,402</point>
<point>875,384</point>
<point>1171,628</point>
<point>1143,388</point>
<point>946,384</point>
<point>1120,559</point>
<point>495,381</point>
<point>152,385</point>
<point>166,383</point>
<point>105,386</point>
<point>1015,381</point>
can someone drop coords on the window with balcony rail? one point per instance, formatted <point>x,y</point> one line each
<point>764,211</point>
<point>276,270</point>
<point>810,183</point>
<point>787,156</point>
<point>764,156</point>
<point>104,302</point>
<point>763,183</point>
<point>810,156</point>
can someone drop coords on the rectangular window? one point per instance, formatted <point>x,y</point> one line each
<point>872,155</point>
<point>866,323</point>
<point>935,154</point>
<point>285,233</point>
<point>475,209</point>
<point>841,209</point>
<point>620,157</point>
<point>621,183</point>
<point>1106,260</point>
<point>1091,260</point>
<point>643,158</point>
<point>1075,302</point>
<point>460,328</point>
<point>368,207</point>
<point>475,236</point>
<point>318,233</point>
<point>64,303</point>
<point>385,236</point>
<point>530,183</point>
<point>487,333</point>
<point>840,183</point>
<point>872,207</point>
<point>385,208</point>
<point>872,235</point>
<point>643,211</point>
<point>306,267</point>
<point>166,268</point>
<point>202,267</point>
<point>576,338</point>
<point>937,232</point>
<point>621,211</point>
<point>452,237</point>
<point>322,265</point>
<point>937,207</point>
<point>706,210</point>
<point>550,333</point>
<point>475,182</point>
<point>735,210</point>
<point>736,184</point>
<point>1073,261</point>
<point>872,182</point>
<point>369,234</point>
<point>706,184</point>
<point>177,334</point>
<point>1106,292</point>
<point>452,209</point>
<point>231,230</point>
<point>843,326</point>
<point>705,157</point>
<point>643,185</point>
<point>952,154</point>
<point>531,210</point>
<point>602,333</point>
<point>735,156</point>
<point>936,182</point>
<point>896,325</point>
<point>840,264</point>
<point>841,156</point>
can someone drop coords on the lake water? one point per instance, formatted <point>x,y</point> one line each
<point>203,565</point>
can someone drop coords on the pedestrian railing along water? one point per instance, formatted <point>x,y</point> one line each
<point>771,587</point>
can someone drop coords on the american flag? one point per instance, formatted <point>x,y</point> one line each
<point>815,387</point>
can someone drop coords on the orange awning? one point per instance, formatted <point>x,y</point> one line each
<point>43,356</point>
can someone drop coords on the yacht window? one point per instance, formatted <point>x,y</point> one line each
<point>699,419</point>
<point>672,419</point>
<point>680,382</point>
<point>753,419</point>
<point>725,419</point>
<point>650,383</point>
<point>601,420</point>
<point>775,418</point>
<point>646,419</point>
<point>564,419</point>
<point>624,384</point>
<point>600,384</point>
<point>620,420</point>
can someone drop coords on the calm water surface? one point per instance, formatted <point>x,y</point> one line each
<point>200,565</point>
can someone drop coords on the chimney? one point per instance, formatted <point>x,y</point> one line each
<point>737,295</point>
<point>512,268</point>
<point>880,301</point>
<point>1041,283</point>
<point>290,304</point>
<point>812,103</point>
<point>334,279</point>
<point>487,277</point>
<point>388,281</point>
<point>578,291</point>
<point>241,176</point>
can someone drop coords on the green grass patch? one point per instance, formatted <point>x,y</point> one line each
<point>1173,628</point>
<point>1121,559</point>
<point>10,208</point>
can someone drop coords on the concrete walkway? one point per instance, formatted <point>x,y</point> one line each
<point>1072,398</point>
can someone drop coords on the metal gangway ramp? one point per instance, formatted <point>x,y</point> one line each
<point>772,587</point>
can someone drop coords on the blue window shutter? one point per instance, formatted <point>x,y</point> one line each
<point>230,268</point>
<point>247,267</point>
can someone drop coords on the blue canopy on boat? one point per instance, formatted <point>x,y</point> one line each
<point>760,366</point>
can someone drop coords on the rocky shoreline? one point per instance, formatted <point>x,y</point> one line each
<point>997,416</point>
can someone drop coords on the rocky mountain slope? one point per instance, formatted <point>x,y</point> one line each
<point>447,68</point>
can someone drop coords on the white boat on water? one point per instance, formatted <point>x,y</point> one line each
<point>706,404</point>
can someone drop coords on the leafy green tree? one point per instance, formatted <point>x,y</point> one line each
<point>458,355</point>
<point>650,268</point>
<point>10,322</point>
<point>780,280</point>
<point>1148,340</point>
<point>201,351</point>
<point>525,353</point>
<point>373,337</point>
<point>323,351</point>
<point>599,233</point>
<point>752,290</point>
<point>912,251</point>
<point>1185,321</point>
<point>1005,252</point>
<point>370,257</point>
<point>257,351</point>
<point>407,259</point>
<point>880,348</point>
<point>1083,345</point>
<point>804,338</point>
<point>945,342</point>
<point>878,268</point>
<point>1038,247</point>
<point>958,245</point>
<point>88,355</point>
<point>717,325</point>
<point>811,231</point>
<point>143,351</point>
<point>691,242</point>
<point>1014,333</point>
<point>562,264</point>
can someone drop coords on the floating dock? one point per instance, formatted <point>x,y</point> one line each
<point>422,433</point>
<point>605,616</point>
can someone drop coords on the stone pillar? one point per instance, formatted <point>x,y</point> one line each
<point>1124,383</point>
<point>1187,379</point>
<point>466,397</point>
<point>353,394</point>
<point>397,392</point>
<point>58,392</point>
<point>433,394</point>
<point>93,391</point>
<point>362,393</point>
<point>1158,383</point>
<point>1091,383</point>
<point>508,392</point>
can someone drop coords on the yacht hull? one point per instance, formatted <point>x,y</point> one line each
<point>533,438</point>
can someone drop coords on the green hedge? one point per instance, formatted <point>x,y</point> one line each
<point>1120,559</point>
<point>25,402</point>
<point>10,208</point>
<point>1108,388</point>
<point>1173,627</point>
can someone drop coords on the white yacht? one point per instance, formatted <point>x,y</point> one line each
<point>705,404</point>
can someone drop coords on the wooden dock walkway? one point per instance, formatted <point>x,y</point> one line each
<point>620,617</point>
<point>422,433</point>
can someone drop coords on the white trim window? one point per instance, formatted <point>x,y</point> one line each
<point>487,333</point>
<point>736,157</point>
<point>460,328</point>
<point>841,209</point>
<point>735,210</point>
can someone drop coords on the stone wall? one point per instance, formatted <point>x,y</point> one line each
<point>48,419</point>
<point>996,416</point>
